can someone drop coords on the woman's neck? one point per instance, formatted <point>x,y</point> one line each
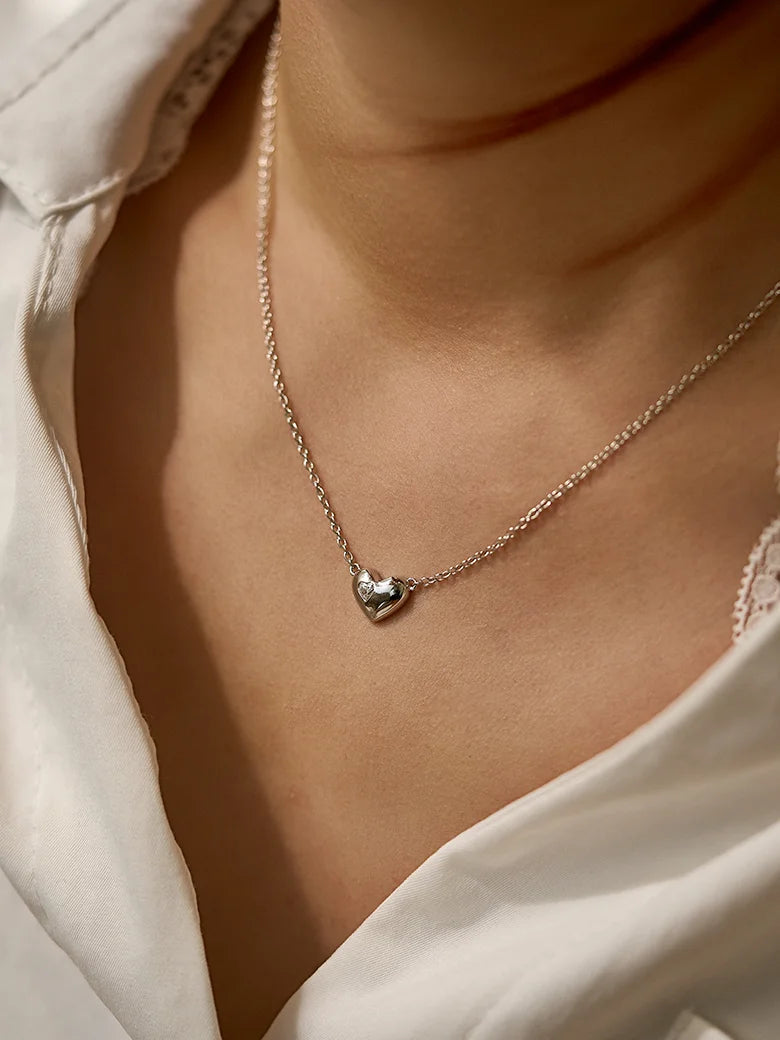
<point>465,156</point>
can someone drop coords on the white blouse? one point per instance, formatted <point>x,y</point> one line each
<point>636,897</point>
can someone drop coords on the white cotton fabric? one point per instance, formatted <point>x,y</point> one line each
<point>691,1027</point>
<point>639,886</point>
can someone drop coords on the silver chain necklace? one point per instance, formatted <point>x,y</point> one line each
<point>381,597</point>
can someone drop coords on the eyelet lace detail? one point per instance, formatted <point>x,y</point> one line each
<point>759,592</point>
<point>192,88</point>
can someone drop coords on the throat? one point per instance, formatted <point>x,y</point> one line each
<point>461,161</point>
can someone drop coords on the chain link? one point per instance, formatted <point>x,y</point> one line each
<point>264,163</point>
<point>267,146</point>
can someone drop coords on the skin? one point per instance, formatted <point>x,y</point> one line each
<point>479,319</point>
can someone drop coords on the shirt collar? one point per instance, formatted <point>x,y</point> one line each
<point>84,104</point>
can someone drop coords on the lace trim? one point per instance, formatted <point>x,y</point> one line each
<point>759,591</point>
<point>192,88</point>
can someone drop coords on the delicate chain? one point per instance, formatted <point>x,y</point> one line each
<point>267,145</point>
<point>267,136</point>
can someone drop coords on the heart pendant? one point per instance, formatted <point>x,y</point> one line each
<point>379,598</point>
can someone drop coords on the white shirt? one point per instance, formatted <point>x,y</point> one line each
<point>643,884</point>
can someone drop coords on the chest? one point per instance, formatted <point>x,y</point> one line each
<point>310,760</point>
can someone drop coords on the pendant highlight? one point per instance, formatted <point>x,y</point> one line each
<point>379,597</point>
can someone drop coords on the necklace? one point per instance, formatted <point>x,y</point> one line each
<point>379,598</point>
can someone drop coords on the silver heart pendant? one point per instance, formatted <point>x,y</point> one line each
<point>379,597</point>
